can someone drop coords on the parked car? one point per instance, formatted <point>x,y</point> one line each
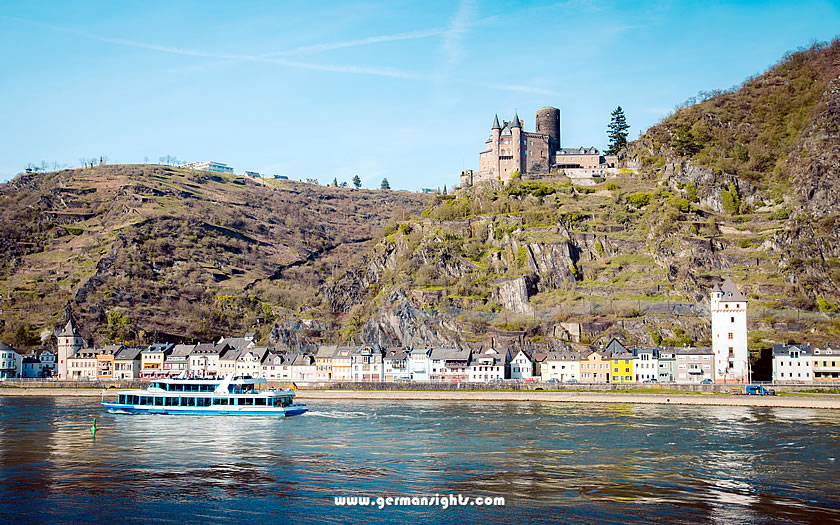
<point>572,381</point>
<point>706,382</point>
<point>649,381</point>
<point>553,380</point>
<point>758,390</point>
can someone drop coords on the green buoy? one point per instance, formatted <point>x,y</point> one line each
<point>93,428</point>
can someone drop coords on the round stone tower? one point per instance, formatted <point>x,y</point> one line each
<point>548,123</point>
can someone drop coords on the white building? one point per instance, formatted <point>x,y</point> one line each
<point>646,364</point>
<point>82,365</point>
<point>521,365</point>
<point>11,362</point>
<point>490,365</point>
<point>249,362</point>
<point>561,366</point>
<point>792,363</point>
<point>420,365</point>
<point>826,363</point>
<point>395,364</point>
<point>729,333</point>
<point>127,363</point>
<point>69,342</point>
<point>217,167</point>
<point>449,364</point>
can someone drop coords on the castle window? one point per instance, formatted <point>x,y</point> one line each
<point>732,319</point>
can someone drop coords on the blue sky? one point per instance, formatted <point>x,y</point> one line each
<point>403,90</point>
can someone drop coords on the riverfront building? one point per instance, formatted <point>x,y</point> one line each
<point>826,362</point>
<point>792,362</point>
<point>729,333</point>
<point>69,342</point>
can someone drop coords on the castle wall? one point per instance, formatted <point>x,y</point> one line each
<point>577,161</point>
<point>537,153</point>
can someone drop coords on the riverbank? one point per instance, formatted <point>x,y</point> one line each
<point>783,401</point>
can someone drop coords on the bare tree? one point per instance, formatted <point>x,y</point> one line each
<point>145,160</point>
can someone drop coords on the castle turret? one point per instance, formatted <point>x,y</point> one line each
<point>516,150</point>
<point>548,123</point>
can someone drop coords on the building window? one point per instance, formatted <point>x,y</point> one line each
<point>731,335</point>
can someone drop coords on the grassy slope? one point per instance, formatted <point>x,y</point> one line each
<point>176,251</point>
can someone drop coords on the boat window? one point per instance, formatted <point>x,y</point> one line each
<point>190,401</point>
<point>249,401</point>
<point>172,401</point>
<point>158,401</point>
<point>259,401</point>
<point>121,399</point>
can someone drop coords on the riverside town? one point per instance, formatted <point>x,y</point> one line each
<point>726,361</point>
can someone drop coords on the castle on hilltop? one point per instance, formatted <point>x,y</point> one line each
<point>510,149</point>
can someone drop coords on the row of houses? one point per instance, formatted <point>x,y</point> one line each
<point>612,364</point>
<point>241,356</point>
<point>804,363</point>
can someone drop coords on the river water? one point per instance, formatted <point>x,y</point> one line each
<point>551,462</point>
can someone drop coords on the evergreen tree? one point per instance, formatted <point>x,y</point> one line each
<point>385,185</point>
<point>357,182</point>
<point>335,182</point>
<point>444,189</point>
<point>684,143</point>
<point>617,132</point>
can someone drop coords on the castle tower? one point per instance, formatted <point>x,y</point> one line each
<point>69,342</point>
<point>548,123</point>
<point>516,150</point>
<point>729,333</point>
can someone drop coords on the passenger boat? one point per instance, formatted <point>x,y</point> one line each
<point>229,396</point>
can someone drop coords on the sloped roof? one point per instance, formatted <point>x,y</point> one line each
<point>6,348</point>
<point>326,350</point>
<point>496,122</point>
<point>691,350</point>
<point>182,350</point>
<point>615,346</point>
<point>69,330</point>
<point>451,354</point>
<point>128,354</point>
<point>731,292</point>
<point>204,348</point>
<point>240,343</point>
<point>804,349</point>
<point>516,123</point>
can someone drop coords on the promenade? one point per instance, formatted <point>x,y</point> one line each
<point>826,401</point>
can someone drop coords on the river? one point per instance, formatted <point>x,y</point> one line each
<point>551,462</point>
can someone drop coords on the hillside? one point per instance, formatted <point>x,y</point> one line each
<point>140,251</point>
<point>742,184</point>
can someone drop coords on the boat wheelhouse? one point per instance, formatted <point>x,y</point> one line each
<point>229,396</point>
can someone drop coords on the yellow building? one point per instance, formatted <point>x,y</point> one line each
<point>152,358</point>
<point>621,368</point>
<point>342,364</point>
<point>595,367</point>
